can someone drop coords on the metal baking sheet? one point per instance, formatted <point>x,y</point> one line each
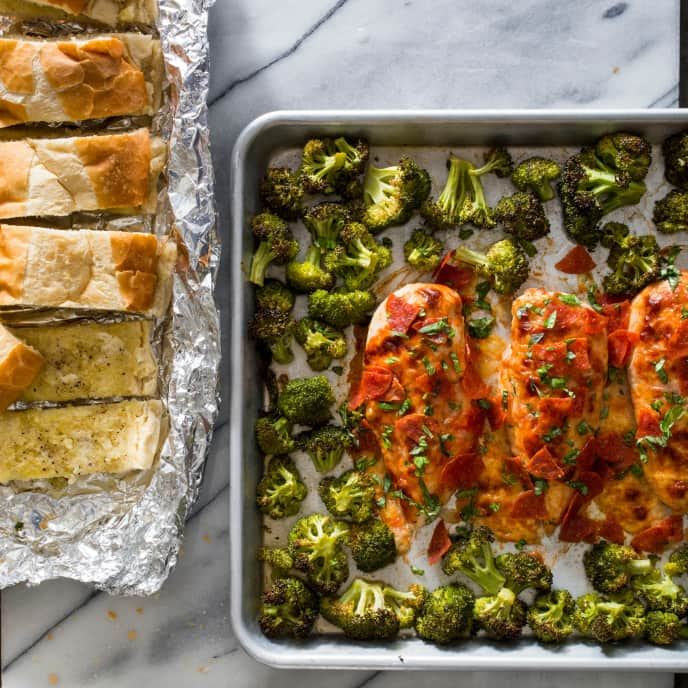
<point>427,136</point>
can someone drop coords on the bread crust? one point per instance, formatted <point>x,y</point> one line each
<point>111,12</point>
<point>19,366</point>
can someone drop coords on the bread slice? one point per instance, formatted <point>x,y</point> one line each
<point>109,12</point>
<point>19,365</point>
<point>79,440</point>
<point>111,271</point>
<point>91,361</point>
<point>73,80</point>
<point>64,175</point>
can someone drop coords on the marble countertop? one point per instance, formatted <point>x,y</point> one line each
<point>336,54</point>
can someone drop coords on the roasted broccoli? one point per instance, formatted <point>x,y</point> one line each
<point>446,614</point>
<point>609,618</point>
<point>504,264</point>
<point>307,276</point>
<point>610,567</point>
<point>350,495</point>
<point>321,342</point>
<point>288,608</point>
<point>675,149</point>
<point>307,400</point>
<point>626,153</point>
<point>273,294</point>
<point>358,258</point>
<point>282,192</point>
<point>273,327</point>
<point>341,308</point>
<point>391,194</point>
<point>472,556</point>
<point>536,175</point>
<point>315,543</point>
<point>372,545</point>
<point>523,570</point>
<point>276,245</point>
<point>501,616</point>
<point>405,605</point>
<point>325,222</point>
<point>445,212</point>
<point>670,213</point>
<point>496,161</point>
<point>423,251</point>
<point>664,628</point>
<point>273,435</point>
<point>660,593</point>
<point>678,561</point>
<point>278,559</point>
<point>326,162</point>
<point>551,616</point>
<point>356,154</point>
<point>522,216</point>
<point>325,446</point>
<point>280,491</point>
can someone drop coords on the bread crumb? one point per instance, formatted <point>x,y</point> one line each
<point>49,636</point>
<point>52,679</point>
<point>139,610</point>
<point>111,614</point>
<point>207,539</point>
<point>132,635</point>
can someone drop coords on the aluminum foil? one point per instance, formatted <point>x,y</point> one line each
<point>123,533</point>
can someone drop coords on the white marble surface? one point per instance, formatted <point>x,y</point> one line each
<point>322,54</point>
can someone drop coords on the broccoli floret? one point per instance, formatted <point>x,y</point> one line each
<point>446,614</point>
<point>274,295</point>
<point>276,245</point>
<point>307,401</point>
<point>278,559</point>
<point>522,570</point>
<point>351,495</point>
<point>325,222</point>
<point>501,616</point>
<point>472,556</point>
<point>660,593</point>
<point>670,213</point>
<point>358,258</point>
<point>664,628</point>
<point>405,605</point>
<point>325,446</point>
<point>610,567</point>
<point>315,543</point>
<point>321,342</point>
<point>522,216</point>
<point>609,619</point>
<point>675,149</point>
<point>613,234</point>
<point>280,491</point>
<point>678,561</point>
<point>372,545</point>
<point>322,165</point>
<point>274,328</point>
<point>391,194</point>
<point>423,251</point>
<point>626,153</point>
<point>273,435</point>
<point>497,161</point>
<point>351,190</point>
<point>356,154</point>
<point>444,213</point>
<point>307,276</point>
<point>341,308</point>
<point>504,264</point>
<point>536,175</point>
<point>282,192</point>
<point>289,608</point>
<point>551,616</point>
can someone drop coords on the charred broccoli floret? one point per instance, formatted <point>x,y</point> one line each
<point>351,495</point>
<point>273,294</point>
<point>278,559</point>
<point>273,327</point>
<point>678,561</point>
<point>504,264</point>
<point>321,342</point>
<point>325,446</point>
<point>356,154</point>
<point>325,222</point>
<point>423,251</point>
<point>280,491</point>
<point>307,276</point>
<point>609,618</point>
<point>405,605</point>
<point>288,608</point>
<point>501,616</point>
<point>446,614</point>
<point>664,628</point>
<point>536,175</point>
<point>372,545</point>
<point>358,258</point>
<point>610,567</point>
<point>315,543</point>
<point>522,216</point>
<point>276,245</point>
<point>445,212</point>
<point>670,213</point>
<point>675,149</point>
<point>497,161</point>
<point>282,192</point>
<point>391,194</point>
<point>341,308</point>
<point>551,616</point>
<point>323,165</point>
<point>472,556</point>
<point>522,570</point>
<point>626,153</point>
<point>273,435</point>
<point>660,593</point>
<point>307,400</point>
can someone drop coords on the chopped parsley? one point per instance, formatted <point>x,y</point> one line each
<point>536,338</point>
<point>578,485</point>
<point>669,270</point>
<point>569,299</point>
<point>438,327</point>
<point>455,362</point>
<point>428,366</point>
<point>480,328</point>
<point>551,320</point>
<point>661,371</point>
<point>583,428</point>
<point>540,486</point>
<point>495,507</point>
<point>416,571</point>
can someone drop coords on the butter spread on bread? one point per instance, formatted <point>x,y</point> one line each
<point>109,12</point>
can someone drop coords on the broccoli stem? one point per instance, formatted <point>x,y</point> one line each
<point>281,351</point>
<point>466,255</point>
<point>376,186</point>
<point>259,265</point>
<point>449,201</point>
<point>639,567</point>
<point>313,254</point>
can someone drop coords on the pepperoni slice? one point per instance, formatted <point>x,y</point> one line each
<point>496,415</point>
<point>400,313</point>
<point>648,424</point>
<point>472,383</point>
<point>396,391</point>
<point>612,531</point>
<point>617,315</point>
<point>578,528</point>
<point>576,262</point>
<point>439,543</point>
<point>543,465</point>
<point>657,537</point>
<point>375,382</point>
<point>413,426</point>
<point>621,343</point>
<point>462,471</point>
<point>515,468</point>
<point>593,481</point>
<point>548,353</point>
<point>579,348</point>
<point>613,450</point>
<point>529,505</point>
<point>452,276</point>
<point>553,411</point>
<point>587,455</point>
